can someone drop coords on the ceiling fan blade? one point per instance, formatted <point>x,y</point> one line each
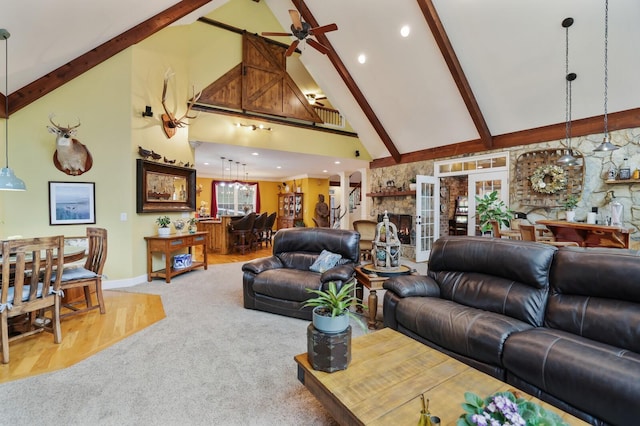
<point>323,29</point>
<point>292,48</point>
<point>320,48</point>
<point>295,18</point>
<point>267,33</point>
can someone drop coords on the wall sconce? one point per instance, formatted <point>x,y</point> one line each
<point>147,112</point>
<point>255,127</point>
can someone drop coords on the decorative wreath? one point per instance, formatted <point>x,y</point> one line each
<point>557,175</point>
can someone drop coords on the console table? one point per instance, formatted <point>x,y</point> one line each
<point>170,244</point>
<point>587,235</point>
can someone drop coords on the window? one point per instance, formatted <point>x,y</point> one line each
<point>235,198</point>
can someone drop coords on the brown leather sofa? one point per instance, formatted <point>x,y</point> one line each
<point>560,324</point>
<point>278,283</point>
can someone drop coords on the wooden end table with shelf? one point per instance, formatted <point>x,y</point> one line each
<point>170,244</point>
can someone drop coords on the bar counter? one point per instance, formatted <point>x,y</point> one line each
<point>587,235</point>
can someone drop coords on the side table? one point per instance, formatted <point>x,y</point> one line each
<point>373,283</point>
<point>172,243</point>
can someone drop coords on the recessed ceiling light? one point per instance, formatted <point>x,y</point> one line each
<point>206,164</point>
<point>278,167</point>
<point>405,30</point>
<point>362,58</point>
<point>336,162</point>
<point>325,171</point>
<point>254,153</point>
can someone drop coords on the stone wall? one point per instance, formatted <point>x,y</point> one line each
<point>594,188</point>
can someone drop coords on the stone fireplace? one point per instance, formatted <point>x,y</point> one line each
<point>404,223</point>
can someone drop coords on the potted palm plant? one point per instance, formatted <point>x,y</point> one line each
<point>163,225</point>
<point>331,307</point>
<point>490,208</point>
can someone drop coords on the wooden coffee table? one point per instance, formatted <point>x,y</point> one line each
<point>388,373</point>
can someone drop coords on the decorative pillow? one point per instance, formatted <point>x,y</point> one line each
<point>75,274</point>
<point>325,261</point>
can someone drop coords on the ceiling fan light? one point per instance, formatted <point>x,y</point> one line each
<point>606,145</point>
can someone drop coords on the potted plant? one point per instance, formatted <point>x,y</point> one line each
<point>193,225</point>
<point>163,225</point>
<point>570,205</point>
<point>412,184</point>
<point>331,307</point>
<point>490,208</point>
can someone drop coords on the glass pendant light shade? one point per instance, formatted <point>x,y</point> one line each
<point>8,180</point>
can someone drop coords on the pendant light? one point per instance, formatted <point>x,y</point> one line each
<point>222,183</point>
<point>567,159</point>
<point>8,180</point>
<point>606,144</point>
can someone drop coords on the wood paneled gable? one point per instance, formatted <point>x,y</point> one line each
<point>260,84</point>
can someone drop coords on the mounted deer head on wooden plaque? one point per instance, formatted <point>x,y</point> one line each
<point>169,120</point>
<point>71,156</point>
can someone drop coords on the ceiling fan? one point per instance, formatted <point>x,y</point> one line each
<point>302,31</point>
<point>313,99</point>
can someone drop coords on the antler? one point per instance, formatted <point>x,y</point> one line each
<point>59,126</point>
<point>173,121</point>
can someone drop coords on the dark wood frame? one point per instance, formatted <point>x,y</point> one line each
<point>145,204</point>
<point>53,201</point>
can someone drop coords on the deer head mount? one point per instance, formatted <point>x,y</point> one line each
<point>169,120</point>
<point>71,156</point>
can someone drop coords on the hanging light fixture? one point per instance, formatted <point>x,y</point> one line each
<point>606,144</point>
<point>567,159</point>
<point>8,180</point>
<point>222,183</point>
<point>237,174</point>
<point>246,177</point>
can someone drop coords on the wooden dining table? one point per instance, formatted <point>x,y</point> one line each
<point>588,235</point>
<point>71,254</point>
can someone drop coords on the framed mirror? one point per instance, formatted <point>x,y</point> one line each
<point>164,188</point>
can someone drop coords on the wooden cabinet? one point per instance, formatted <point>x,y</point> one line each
<point>217,235</point>
<point>171,244</point>
<point>289,209</point>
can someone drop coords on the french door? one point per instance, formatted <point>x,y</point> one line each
<point>481,184</point>
<point>427,215</point>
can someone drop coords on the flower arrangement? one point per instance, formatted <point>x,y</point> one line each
<point>491,208</point>
<point>505,409</point>
<point>556,182</point>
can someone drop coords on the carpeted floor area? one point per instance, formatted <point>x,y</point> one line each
<point>209,362</point>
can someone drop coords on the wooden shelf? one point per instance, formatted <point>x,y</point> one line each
<point>391,194</point>
<point>622,181</point>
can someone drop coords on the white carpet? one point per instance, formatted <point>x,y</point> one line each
<point>209,362</point>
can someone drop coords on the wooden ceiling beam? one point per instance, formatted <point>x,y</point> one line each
<point>457,73</point>
<point>56,78</point>
<point>349,82</point>
<point>587,126</point>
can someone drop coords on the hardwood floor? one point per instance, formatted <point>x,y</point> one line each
<point>86,334</point>
<point>82,335</point>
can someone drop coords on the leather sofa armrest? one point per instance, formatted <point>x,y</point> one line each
<point>412,285</point>
<point>340,273</point>
<point>259,265</point>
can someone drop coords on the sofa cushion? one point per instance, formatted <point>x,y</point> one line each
<point>591,376</point>
<point>507,277</point>
<point>595,294</point>
<point>287,284</point>
<point>467,331</point>
<point>325,261</point>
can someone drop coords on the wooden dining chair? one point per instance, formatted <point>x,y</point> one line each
<point>31,286</point>
<point>495,227</point>
<point>89,276</point>
<point>530,233</point>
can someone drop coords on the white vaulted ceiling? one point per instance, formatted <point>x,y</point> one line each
<point>511,53</point>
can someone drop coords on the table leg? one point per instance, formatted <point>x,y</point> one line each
<point>359,295</point>
<point>373,309</point>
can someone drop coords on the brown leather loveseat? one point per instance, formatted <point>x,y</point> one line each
<point>278,283</point>
<point>560,324</point>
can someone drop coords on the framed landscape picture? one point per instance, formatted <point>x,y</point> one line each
<point>72,203</point>
<point>164,188</point>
